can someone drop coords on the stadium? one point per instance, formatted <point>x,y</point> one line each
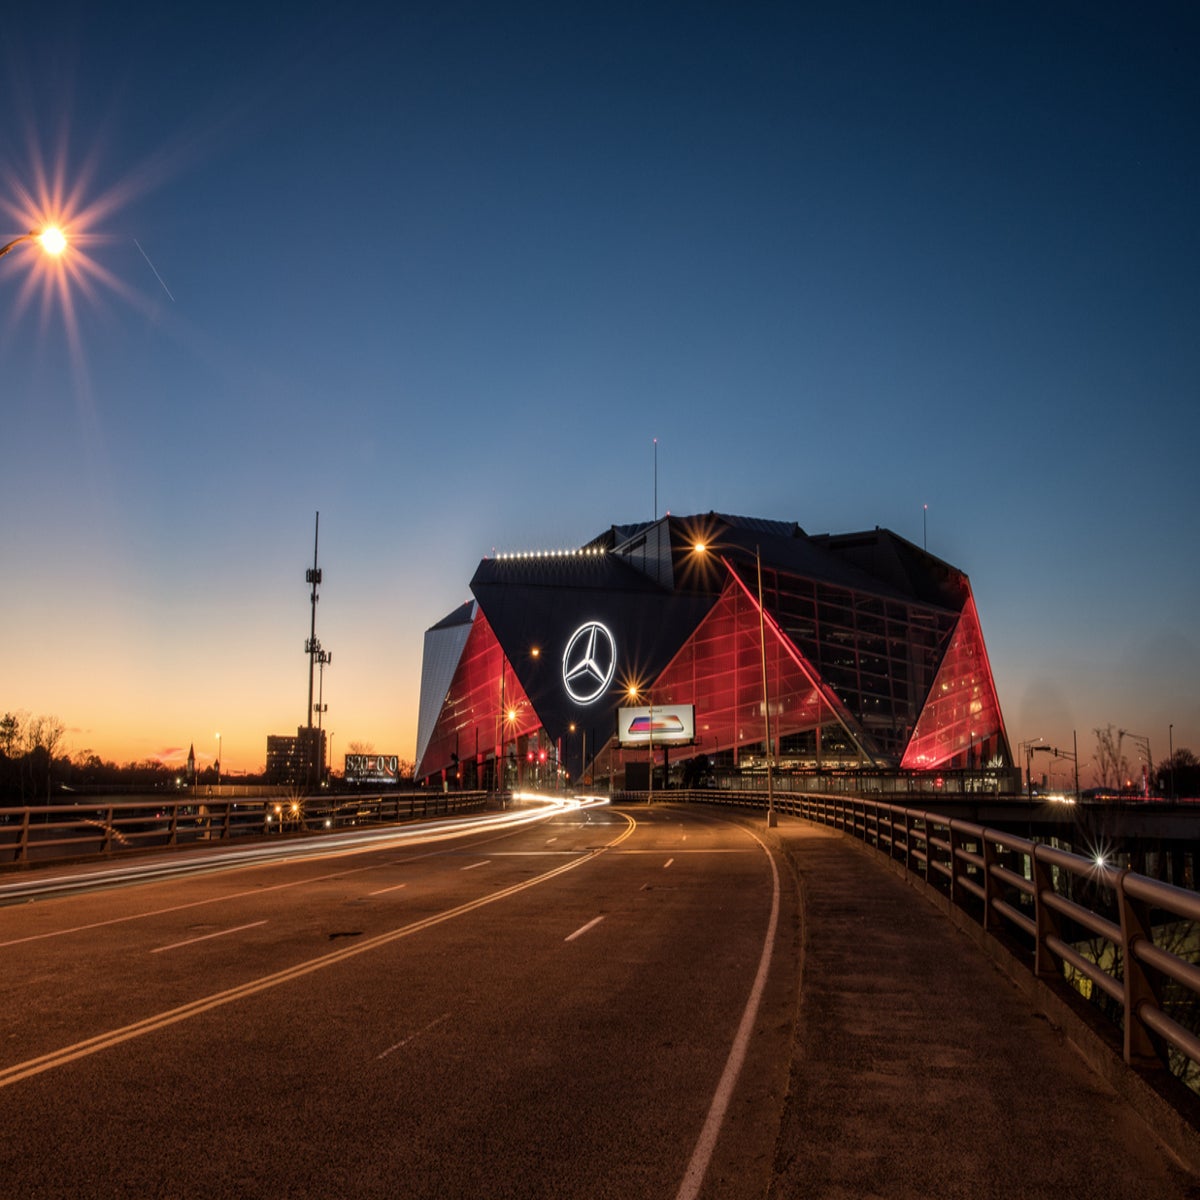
<point>650,643</point>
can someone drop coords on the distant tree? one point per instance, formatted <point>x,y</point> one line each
<point>12,733</point>
<point>1112,769</point>
<point>1178,775</point>
<point>43,736</point>
<point>361,748</point>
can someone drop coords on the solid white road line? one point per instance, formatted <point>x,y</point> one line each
<point>472,866</point>
<point>702,1155</point>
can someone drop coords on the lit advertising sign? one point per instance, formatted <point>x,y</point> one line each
<point>662,725</point>
<point>373,768</point>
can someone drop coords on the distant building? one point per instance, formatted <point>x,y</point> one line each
<point>874,655</point>
<point>296,761</point>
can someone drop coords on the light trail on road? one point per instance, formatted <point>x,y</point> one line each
<point>324,846</point>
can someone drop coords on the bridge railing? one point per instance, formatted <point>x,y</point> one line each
<point>1124,941</point>
<point>104,826</point>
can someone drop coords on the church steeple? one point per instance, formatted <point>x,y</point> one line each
<point>191,764</point>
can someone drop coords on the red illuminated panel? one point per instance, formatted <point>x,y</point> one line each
<point>719,670</point>
<point>960,724</point>
<point>480,713</point>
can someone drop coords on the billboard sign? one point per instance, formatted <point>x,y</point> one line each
<point>373,768</point>
<point>667,724</point>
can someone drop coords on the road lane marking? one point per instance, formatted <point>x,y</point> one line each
<point>694,1175</point>
<point>158,912</point>
<point>668,863</point>
<point>551,841</point>
<point>584,928</point>
<point>472,866</point>
<point>404,1041</point>
<point>710,850</point>
<point>536,853</point>
<point>204,937</point>
<point>383,891</point>
<point>195,1008</point>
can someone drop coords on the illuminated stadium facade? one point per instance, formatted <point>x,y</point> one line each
<point>874,658</point>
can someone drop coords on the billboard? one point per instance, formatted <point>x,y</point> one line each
<point>373,768</point>
<point>664,725</point>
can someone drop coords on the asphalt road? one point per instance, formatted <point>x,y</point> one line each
<point>601,1004</point>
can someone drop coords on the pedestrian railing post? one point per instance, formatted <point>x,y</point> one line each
<point>956,887</point>
<point>1142,987</point>
<point>991,919</point>
<point>1046,920</point>
<point>23,843</point>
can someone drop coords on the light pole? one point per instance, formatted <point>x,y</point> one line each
<point>1028,748</point>
<point>1171,757</point>
<point>1144,743</point>
<point>218,760</point>
<point>633,695</point>
<point>51,238</point>
<point>772,820</point>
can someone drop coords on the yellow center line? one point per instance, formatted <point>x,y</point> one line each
<point>104,1041</point>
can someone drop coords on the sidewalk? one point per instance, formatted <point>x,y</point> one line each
<point>920,1070</point>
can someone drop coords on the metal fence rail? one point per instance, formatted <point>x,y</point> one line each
<point>1062,914</point>
<point>104,826</point>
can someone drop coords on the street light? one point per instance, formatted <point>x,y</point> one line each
<point>52,239</point>
<point>633,695</point>
<point>1144,743</point>
<point>1171,757</point>
<point>772,820</point>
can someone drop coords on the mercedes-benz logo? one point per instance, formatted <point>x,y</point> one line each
<point>589,662</point>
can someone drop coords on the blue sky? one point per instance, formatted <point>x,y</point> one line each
<point>442,272</point>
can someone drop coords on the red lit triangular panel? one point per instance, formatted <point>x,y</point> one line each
<point>480,713</point>
<point>719,669</point>
<point>960,723</point>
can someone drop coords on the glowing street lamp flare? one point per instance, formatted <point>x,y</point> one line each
<point>52,238</point>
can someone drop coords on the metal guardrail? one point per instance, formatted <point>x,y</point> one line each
<point>1063,914</point>
<point>104,826</point>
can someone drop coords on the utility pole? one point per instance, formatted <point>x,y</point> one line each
<point>312,647</point>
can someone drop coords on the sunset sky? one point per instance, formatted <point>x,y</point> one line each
<point>443,271</point>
